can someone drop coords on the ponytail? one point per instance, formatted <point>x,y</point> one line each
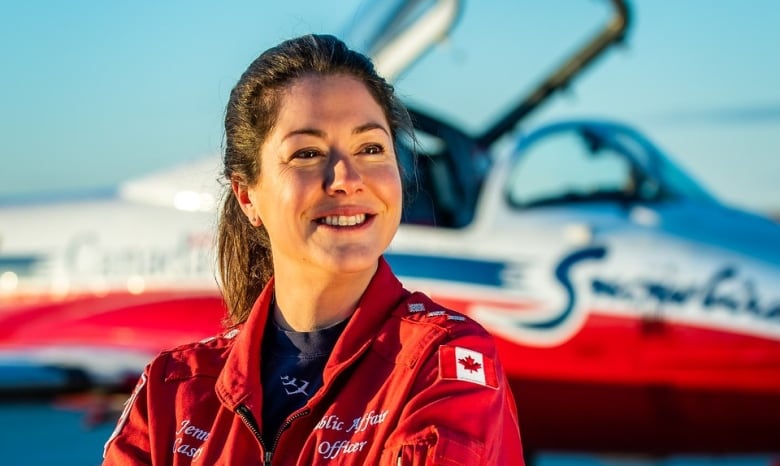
<point>245,261</point>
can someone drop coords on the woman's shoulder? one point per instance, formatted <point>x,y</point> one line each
<point>420,309</point>
<point>426,326</point>
<point>203,357</point>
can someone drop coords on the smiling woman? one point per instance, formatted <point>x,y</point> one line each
<point>328,189</point>
<point>327,356</point>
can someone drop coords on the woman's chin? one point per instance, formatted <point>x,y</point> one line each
<point>351,262</point>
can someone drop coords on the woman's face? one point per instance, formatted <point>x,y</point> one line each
<point>329,190</point>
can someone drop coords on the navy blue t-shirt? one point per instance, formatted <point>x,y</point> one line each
<point>292,366</point>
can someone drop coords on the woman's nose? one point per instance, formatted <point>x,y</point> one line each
<point>343,175</point>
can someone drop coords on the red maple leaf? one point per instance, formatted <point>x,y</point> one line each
<point>470,364</point>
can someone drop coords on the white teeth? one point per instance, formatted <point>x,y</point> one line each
<point>344,221</point>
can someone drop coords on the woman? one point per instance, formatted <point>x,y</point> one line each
<point>329,360</point>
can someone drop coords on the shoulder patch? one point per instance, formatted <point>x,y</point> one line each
<point>457,363</point>
<point>416,307</point>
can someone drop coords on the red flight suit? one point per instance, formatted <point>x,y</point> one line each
<point>408,383</point>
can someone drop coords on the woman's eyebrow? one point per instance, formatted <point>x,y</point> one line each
<point>305,131</point>
<point>368,127</point>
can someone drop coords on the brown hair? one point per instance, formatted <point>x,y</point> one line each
<point>244,251</point>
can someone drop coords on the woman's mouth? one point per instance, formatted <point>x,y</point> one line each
<point>343,220</point>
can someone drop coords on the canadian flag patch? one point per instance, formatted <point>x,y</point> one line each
<point>456,363</point>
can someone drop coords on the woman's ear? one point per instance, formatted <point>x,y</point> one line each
<point>244,198</point>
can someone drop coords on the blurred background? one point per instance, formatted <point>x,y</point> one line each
<point>95,94</point>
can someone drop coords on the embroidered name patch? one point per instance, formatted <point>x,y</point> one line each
<point>456,363</point>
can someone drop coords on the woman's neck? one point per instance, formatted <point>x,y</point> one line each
<point>311,301</point>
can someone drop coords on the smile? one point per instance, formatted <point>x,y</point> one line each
<point>343,220</point>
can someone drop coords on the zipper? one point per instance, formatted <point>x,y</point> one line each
<point>284,427</point>
<point>249,420</point>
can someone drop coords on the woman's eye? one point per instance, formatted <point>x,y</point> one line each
<point>373,149</point>
<point>306,154</point>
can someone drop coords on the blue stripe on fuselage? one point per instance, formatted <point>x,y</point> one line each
<point>451,269</point>
<point>21,265</point>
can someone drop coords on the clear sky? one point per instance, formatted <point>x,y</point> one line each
<point>96,92</point>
